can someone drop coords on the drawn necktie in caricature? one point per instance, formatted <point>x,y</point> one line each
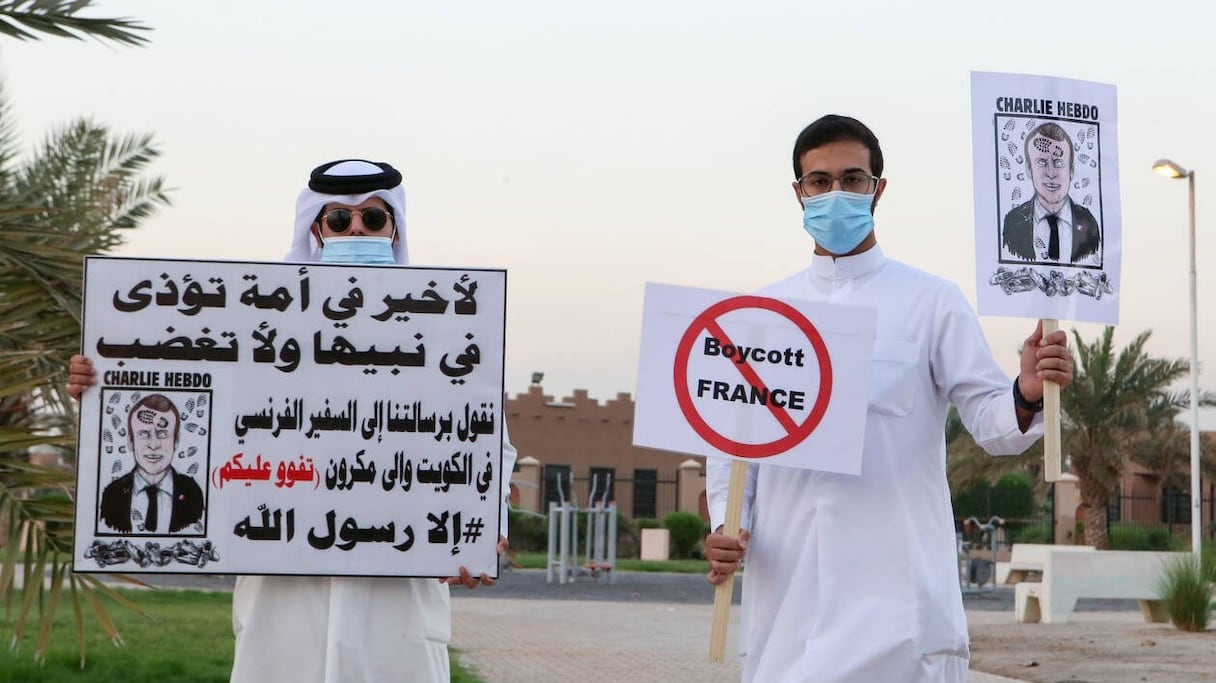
<point>150,518</point>
<point>1053,243</point>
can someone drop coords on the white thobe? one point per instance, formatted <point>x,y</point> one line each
<point>854,579</point>
<point>295,629</point>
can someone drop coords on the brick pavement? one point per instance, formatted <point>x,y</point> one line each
<point>641,628</point>
<point>538,641</point>
<point>513,640</point>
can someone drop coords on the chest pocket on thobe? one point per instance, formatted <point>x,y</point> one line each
<point>893,377</point>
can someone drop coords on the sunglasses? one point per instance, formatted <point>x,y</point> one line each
<point>338,220</point>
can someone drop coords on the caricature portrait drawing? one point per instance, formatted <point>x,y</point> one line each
<point>1051,227</point>
<point>153,497</point>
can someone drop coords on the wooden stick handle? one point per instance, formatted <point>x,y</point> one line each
<point>1052,470</point>
<point>725,590</point>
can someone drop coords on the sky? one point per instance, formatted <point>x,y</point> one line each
<point>589,148</point>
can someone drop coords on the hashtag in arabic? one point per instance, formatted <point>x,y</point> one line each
<point>472,530</point>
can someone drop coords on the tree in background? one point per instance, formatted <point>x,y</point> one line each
<point>968,466</point>
<point>71,197</point>
<point>1120,409</point>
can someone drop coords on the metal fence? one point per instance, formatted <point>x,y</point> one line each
<point>1168,511</point>
<point>1037,527</point>
<point>635,497</point>
<point>1159,522</point>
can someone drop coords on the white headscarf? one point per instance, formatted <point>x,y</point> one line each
<point>352,174</point>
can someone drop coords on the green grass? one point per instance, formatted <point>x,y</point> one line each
<point>459,673</point>
<point>186,639</point>
<point>538,561</point>
<point>1137,537</point>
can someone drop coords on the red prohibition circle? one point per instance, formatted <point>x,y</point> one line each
<point>698,423</point>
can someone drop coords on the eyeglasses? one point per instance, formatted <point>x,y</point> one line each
<point>858,182</point>
<point>338,220</point>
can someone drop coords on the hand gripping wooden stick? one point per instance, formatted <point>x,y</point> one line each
<point>1051,419</point>
<point>725,590</point>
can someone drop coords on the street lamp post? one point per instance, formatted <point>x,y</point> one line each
<point>1172,170</point>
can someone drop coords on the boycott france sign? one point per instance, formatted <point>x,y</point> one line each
<point>755,378</point>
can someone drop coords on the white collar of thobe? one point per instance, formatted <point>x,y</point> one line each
<point>848,267</point>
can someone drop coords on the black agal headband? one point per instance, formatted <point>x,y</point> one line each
<point>387,178</point>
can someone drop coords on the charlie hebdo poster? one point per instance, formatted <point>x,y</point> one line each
<point>271,418</point>
<point>1047,215</point>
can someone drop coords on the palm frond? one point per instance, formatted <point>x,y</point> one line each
<point>77,194</point>
<point>8,139</point>
<point>60,18</point>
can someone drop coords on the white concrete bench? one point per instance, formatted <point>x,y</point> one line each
<point>1069,575</point>
<point>1027,558</point>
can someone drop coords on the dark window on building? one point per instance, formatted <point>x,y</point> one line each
<point>603,480</point>
<point>1175,506</point>
<point>645,493</point>
<point>557,484</point>
<point>1114,507</point>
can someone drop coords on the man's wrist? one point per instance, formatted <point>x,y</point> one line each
<point>1020,401</point>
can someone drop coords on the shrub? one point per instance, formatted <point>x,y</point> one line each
<point>1132,537</point>
<point>527,532</point>
<point>1013,496</point>
<point>1207,562</point>
<point>973,502</point>
<point>647,523</point>
<point>628,537</point>
<point>687,531</point>
<point>1033,533</point>
<point>1187,593</point>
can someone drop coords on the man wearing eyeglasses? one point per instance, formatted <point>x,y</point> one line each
<point>1051,227</point>
<point>299,629</point>
<point>854,579</point>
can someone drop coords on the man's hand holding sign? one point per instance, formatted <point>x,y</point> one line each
<point>1045,359</point>
<point>756,379</point>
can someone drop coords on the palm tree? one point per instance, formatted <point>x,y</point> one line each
<point>1120,408</point>
<point>73,197</point>
<point>968,464</point>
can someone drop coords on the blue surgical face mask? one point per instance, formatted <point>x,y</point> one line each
<point>838,221</point>
<point>362,250</point>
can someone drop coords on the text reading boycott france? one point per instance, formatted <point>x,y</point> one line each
<point>741,341</point>
<point>748,393</point>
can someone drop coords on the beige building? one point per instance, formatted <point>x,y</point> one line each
<point>591,442</point>
<point>567,447</point>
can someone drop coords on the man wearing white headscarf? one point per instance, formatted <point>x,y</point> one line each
<point>294,629</point>
<point>349,184</point>
<point>341,630</point>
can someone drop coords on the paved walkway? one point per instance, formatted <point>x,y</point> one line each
<point>511,640</point>
<point>645,628</point>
